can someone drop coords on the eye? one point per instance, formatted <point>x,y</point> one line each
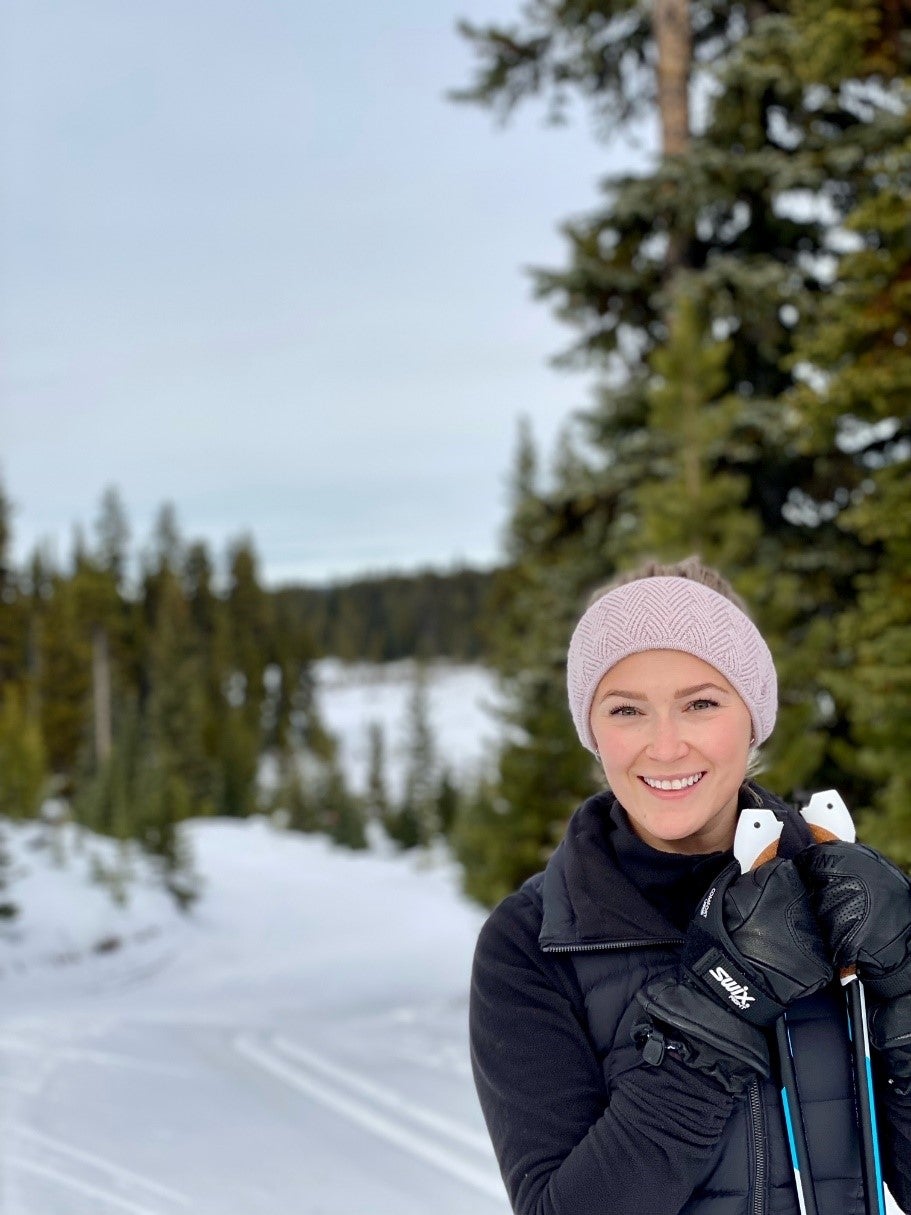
<point>703,702</point>
<point>623,711</point>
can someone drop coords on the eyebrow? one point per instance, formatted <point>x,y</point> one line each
<point>681,692</point>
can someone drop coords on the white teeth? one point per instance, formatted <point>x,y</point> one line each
<point>668,785</point>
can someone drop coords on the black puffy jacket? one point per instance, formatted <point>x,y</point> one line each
<point>579,1123</point>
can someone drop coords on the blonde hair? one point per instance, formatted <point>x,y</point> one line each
<point>692,567</point>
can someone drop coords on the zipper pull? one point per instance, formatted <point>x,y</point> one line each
<point>654,1048</point>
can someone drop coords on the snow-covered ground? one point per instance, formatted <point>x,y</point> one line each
<point>297,1044</point>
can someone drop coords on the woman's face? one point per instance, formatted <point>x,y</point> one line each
<point>674,739</point>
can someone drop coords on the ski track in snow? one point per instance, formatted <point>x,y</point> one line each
<point>97,1178</point>
<point>105,1196</point>
<point>361,1101</point>
<point>381,1095</point>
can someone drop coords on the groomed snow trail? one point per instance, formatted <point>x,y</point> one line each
<point>298,1045</point>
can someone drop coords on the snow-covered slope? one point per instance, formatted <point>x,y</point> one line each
<point>297,1043</point>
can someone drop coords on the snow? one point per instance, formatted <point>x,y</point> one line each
<point>297,1043</point>
<point>462,703</point>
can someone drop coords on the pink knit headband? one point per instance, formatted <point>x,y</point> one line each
<point>670,614</point>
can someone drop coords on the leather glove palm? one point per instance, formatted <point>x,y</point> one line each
<point>863,904</point>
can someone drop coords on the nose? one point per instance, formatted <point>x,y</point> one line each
<point>667,741</point>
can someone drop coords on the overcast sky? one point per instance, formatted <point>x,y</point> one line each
<point>255,264</point>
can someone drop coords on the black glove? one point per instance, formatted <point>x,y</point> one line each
<point>890,1033</point>
<point>863,904</point>
<point>751,949</point>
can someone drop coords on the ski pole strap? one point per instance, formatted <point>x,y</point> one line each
<point>725,979</point>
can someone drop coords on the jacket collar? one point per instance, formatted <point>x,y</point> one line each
<point>588,901</point>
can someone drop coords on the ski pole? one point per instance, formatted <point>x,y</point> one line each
<point>830,819</point>
<point>755,842</point>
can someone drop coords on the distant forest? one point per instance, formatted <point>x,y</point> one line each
<point>142,687</point>
<point>383,618</point>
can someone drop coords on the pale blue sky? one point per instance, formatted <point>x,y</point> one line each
<point>254,263</point>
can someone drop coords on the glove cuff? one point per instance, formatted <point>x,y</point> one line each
<point>704,1035</point>
<point>725,982</point>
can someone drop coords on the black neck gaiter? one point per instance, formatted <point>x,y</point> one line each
<point>673,882</point>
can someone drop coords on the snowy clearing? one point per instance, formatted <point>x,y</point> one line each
<point>462,701</point>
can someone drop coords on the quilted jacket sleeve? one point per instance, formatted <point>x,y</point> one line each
<point>895,1129</point>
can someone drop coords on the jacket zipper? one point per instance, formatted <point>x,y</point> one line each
<point>760,1160</point>
<point>610,945</point>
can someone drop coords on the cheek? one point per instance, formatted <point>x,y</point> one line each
<point>734,747</point>
<point>615,747</point>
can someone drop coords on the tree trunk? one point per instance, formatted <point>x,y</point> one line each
<point>673,39</point>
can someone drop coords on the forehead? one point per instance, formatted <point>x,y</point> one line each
<point>660,672</point>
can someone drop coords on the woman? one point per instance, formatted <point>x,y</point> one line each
<point>616,1073</point>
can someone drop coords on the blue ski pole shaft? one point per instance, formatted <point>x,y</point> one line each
<point>866,1109</point>
<point>797,1135</point>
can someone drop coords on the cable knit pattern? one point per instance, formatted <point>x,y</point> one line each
<point>670,614</point>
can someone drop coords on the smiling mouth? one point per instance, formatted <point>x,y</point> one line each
<point>677,782</point>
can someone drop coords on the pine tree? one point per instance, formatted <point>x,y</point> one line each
<point>112,530</point>
<point>64,682</point>
<point>709,240</point>
<point>505,830</point>
<point>447,799</point>
<point>210,644</point>
<point>297,800</point>
<point>13,622</point>
<point>238,758</point>
<point>377,795</point>
<point>174,710</point>
<point>23,772</point>
<point>419,803</point>
<point>341,811</point>
<point>108,801</point>
<point>249,628</point>
<point>854,393</point>
<point>164,802</point>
